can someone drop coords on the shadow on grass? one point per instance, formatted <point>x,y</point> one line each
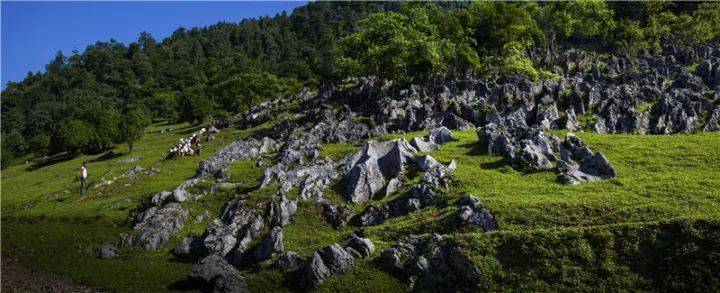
<point>107,156</point>
<point>51,161</point>
<point>185,285</point>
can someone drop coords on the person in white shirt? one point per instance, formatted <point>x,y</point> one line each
<point>83,178</point>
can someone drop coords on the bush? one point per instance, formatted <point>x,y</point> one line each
<point>40,144</point>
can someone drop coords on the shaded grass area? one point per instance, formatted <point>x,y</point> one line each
<point>551,236</point>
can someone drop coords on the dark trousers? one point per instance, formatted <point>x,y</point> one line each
<point>83,185</point>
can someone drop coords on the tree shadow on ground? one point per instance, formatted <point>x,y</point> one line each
<point>59,158</point>
<point>107,156</point>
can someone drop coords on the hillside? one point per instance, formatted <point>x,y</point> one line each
<point>666,185</point>
<point>447,149</point>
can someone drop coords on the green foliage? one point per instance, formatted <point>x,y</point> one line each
<point>582,20</point>
<point>245,90</point>
<point>629,37</point>
<point>395,46</point>
<point>165,105</point>
<point>72,135</point>
<point>133,125</point>
<point>195,105</point>
<point>496,24</point>
<point>40,144</point>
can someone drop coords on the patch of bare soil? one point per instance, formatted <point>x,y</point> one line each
<point>20,278</point>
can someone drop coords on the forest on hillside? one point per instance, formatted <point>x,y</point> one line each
<point>88,101</point>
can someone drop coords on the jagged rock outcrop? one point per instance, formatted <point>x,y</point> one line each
<point>371,216</point>
<point>217,275</point>
<point>440,135</point>
<point>473,212</point>
<point>155,225</point>
<point>434,183</point>
<point>289,261</point>
<point>279,212</point>
<point>368,169</point>
<point>433,262</point>
<point>333,260</point>
<point>269,245</point>
<point>336,215</point>
<point>422,145</point>
<point>579,164</point>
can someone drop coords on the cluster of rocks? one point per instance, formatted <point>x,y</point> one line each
<point>163,216</point>
<point>535,150</point>
<point>473,212</point>
<point>434,183</point>
<point>654,93</point>
<point>579,164</point>
<point>368,171</point>
<point>331,260</point>
<point>428,261</point>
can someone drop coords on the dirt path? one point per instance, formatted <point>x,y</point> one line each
<point>19,278</point>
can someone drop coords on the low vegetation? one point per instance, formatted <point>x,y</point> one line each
<point>606,234</point>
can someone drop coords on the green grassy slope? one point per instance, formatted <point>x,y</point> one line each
<point>665,184</point>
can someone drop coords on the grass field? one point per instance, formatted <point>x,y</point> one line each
<point>550,235</point>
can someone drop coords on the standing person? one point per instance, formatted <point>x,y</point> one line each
<point>83,177</point>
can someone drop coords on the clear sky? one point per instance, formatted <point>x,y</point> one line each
<point>32,32</point>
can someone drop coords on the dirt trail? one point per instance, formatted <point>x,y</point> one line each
<point>20,278</point>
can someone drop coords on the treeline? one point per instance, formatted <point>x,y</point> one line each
<point>228,67</point>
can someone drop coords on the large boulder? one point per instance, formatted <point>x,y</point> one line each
<point>289,261</point>
<point>474,212</point>
<point>364,180</point>
<point>325,262</point>
<point>269,245</point>
<point>216,275</point>
<point>579,164</point>
<point>279,212</point>
<point>440,135</point>
<point>424,146</point>
<point>155,225</point>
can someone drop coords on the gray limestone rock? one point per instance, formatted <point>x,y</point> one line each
<point>269,245</point>
<point>216,275</point>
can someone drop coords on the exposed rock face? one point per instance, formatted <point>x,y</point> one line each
<point>337,215</point>
<point>279,212</point>
<point>364,180</point>
<point>240,150</point>
<point>473,212</point>
<point>433,262</point>
<point>615,89</point>
<point>393,185</point>
<point>216,275</point>
<point>289,261</point>
<point>372,165</point>
<point>156,225</point>
<point>579,164</point>
<point>371,216</point>
<point>269,245</point>
<point>107,251</point>
<point>187,246</point>
<point>424,146</point>
<point>440,135</point>
<point>360,247</point>
<point>434,183</point>
<point>332,260</point>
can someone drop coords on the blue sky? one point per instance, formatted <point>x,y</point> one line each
<point>32,32</point>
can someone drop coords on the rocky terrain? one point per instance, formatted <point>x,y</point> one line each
<point>653,94</point>
<point>394,199</point>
